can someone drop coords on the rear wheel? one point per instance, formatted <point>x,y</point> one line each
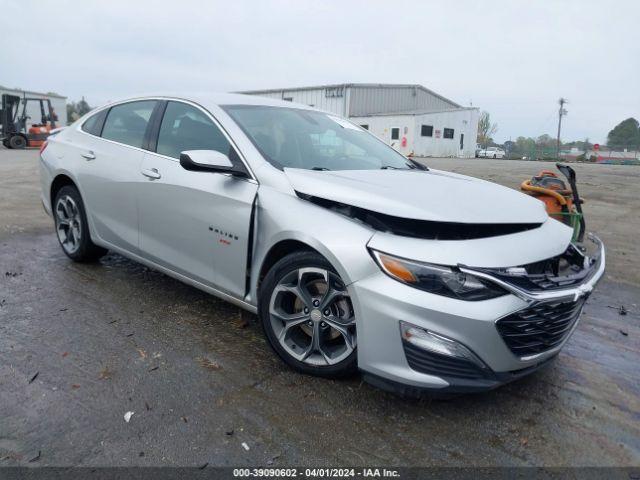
<point>17,141</point>
<point>308,316</point>
<point>72,227</point>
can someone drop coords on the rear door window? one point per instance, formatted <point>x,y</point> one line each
<point>185,127</point>
<point>127,123</point>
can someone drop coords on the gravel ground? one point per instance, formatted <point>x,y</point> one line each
<point>81,345</point>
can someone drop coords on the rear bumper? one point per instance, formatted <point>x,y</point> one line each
<point>381,303</point>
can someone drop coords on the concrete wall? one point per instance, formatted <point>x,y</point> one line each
<point>58,103</point>
<point>463,121</point>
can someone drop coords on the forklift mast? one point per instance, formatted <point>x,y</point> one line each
<point>8,114</point>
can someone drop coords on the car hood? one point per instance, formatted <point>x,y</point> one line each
<point>431,195</point>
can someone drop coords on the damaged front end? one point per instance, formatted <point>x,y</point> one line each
<point>555,291</point>
<point>416,228</point>
<point>572,274</point>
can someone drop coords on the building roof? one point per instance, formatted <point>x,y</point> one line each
<point>354,85</point>
<point>31,92</point>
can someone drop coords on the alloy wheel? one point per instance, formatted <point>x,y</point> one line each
<point>312,316</point>
<point>68,224</point>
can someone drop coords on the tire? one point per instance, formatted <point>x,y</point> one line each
<point>5,142</point>
<point>302,298</point>
<point>72,228</point>
<point>17,142</point>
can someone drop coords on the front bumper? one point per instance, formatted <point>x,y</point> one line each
<point>381,303</point>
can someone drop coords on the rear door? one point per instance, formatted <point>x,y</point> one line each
<point>110,166</point>
<point>194,223</point>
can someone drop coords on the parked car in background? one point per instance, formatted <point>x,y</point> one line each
<point>491,152</point>
<point>353,256</point>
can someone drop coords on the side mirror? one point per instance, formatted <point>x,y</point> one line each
<point>208,161</point>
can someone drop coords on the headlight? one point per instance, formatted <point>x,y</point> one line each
<point>437,279</point>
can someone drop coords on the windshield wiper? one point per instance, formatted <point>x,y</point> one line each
<point>324,169</point>
<point>409,167</point>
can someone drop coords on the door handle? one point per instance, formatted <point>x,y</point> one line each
<point>88,156</point>
<point>153,173</point>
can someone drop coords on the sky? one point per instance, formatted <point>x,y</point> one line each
<point>514,59</point>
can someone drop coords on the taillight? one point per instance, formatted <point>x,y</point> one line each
<point>43,146</point>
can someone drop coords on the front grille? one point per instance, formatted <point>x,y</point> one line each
<point>432,363</point>
<point>540,328</point>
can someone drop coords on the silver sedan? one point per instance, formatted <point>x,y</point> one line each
<point>353,256</point>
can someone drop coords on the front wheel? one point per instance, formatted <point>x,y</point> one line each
<point>72,227</point>
<point>308,317</point>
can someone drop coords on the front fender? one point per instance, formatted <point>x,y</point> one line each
<point>342,241</point>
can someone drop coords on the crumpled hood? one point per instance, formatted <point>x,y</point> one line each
<point>432,195</point>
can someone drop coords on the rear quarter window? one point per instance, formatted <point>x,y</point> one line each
<point>94,123</point>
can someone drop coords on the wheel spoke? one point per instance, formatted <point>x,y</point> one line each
<point>290,324</point>
<point>62,212</point>
<point>72,210</point>
<point>329,297</point>
<point>76,233</point>
<point>71,239</point>
<point>298,292</point>
<point>315,346</point>
<point>343,330</point>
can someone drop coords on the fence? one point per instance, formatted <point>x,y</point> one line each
<point>618,155</point>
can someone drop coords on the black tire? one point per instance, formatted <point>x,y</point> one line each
<point>281,270</point>
<point>17,142</point>
<point>84,250</point>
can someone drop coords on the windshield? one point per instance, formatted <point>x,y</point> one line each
<point>296,138</point>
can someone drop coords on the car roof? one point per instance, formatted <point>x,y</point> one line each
<point>220,99</point>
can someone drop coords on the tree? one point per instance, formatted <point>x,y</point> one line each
<point>625,135</point>
<point>486,129</point>
<point>77,109</point>
<point>546,141</point>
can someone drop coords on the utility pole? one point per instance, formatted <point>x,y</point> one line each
<point>561,113</point>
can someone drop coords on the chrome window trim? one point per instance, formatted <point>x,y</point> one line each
<point>252,178</point>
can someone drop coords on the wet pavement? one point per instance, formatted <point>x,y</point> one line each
<point>81,345</point>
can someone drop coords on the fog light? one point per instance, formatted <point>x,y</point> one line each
<point>436,343</point>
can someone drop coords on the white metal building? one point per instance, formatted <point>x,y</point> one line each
<point>411,118</point>
<point>58,103</point>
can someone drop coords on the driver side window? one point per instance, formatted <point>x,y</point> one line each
<point>187,128</point>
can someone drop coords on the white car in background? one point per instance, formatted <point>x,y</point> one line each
<point>491,152</point>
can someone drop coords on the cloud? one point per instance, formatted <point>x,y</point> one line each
<point>512,58</point>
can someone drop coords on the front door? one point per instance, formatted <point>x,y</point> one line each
<point>194,223</point>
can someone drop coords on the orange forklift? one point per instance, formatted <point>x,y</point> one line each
<point>14,132</point>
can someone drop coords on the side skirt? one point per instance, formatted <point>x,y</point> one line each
<point>189,281</point>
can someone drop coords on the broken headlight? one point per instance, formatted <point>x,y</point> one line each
<point>437,279</point>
